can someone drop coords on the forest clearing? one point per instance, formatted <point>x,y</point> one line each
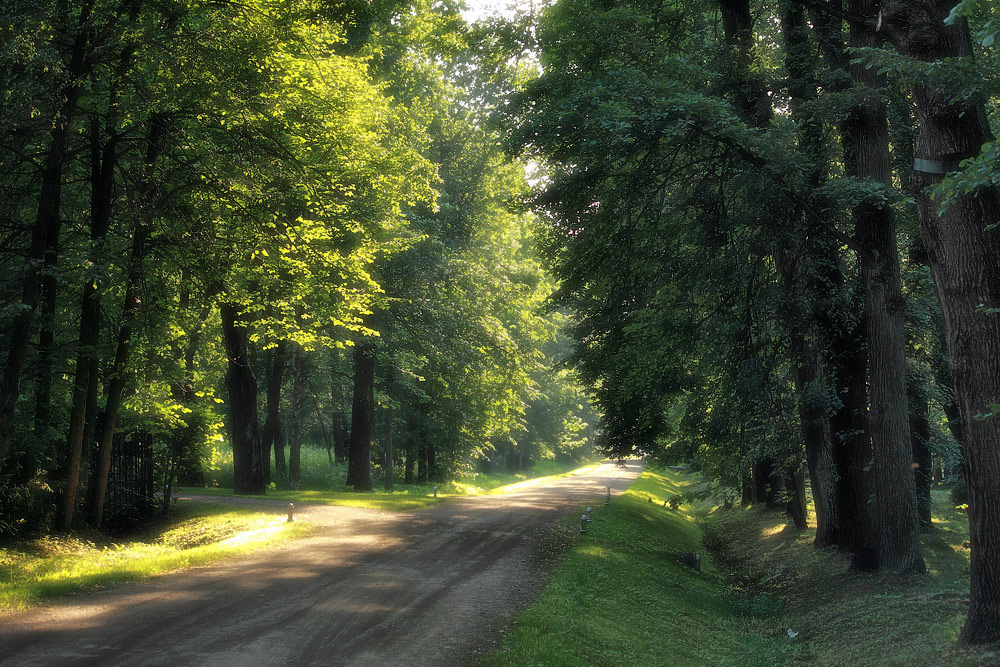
<point>390,261</point>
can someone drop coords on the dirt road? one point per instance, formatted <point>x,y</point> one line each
<point>432,587</point>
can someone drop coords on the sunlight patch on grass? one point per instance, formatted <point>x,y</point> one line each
<point>325,486</point>
<point>54,566</point>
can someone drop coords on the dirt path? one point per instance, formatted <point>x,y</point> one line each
<point>433,587</point>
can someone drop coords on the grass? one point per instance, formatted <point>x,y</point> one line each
<point>324,484</point>
<point>851,618</point>
<point>196,534</point>
<point>621,597</point>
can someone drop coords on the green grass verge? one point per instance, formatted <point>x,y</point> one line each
<point>323,484</point>
<point>197,534</point>
<point>621,597</point>
<point>848,618</point>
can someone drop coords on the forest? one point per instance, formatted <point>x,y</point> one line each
<point>754,238</point>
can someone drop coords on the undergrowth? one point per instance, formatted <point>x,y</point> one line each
<point>844,618</point>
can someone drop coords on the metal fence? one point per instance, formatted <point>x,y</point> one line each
<point>130,482</point>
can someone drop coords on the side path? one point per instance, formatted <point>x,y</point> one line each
<point>433,587</point>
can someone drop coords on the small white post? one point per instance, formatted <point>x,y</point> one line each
<point>607,499</point>
<point>291,511</point>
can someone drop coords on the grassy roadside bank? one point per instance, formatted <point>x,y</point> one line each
<point>765,597</point>
<point>621,597</point>
<point>854,618</point>
<point>194,534</point>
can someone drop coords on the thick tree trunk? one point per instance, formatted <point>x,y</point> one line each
<point>248,461</point>
<point>896,523</point>
<point>964,256</point>
<point>275,360</point>
<point>362,415</point>
<point>298,401</point>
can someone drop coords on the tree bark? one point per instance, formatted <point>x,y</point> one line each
<point>896,524</point>
<point>795,508</point>
<point>82,408</point>
<point>964,256</point>
<point>920,435</point>
<point>298,401</point>
<point>248,461</point>
<point>813,284</point>
<point>113,392</point>
<point>362,414</point>
<point>275,361</point>
<point>48,222</point>
<point>389,454</point>
<point>116,386</point>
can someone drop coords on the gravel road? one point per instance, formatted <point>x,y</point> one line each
<point>431,587</point>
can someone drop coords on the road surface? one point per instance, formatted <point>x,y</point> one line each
<point>431,587</point>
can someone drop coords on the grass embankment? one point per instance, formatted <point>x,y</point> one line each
<point>851,618</point>
<point>621,597</point>
<point>324,484</point>
<point>194,535</point>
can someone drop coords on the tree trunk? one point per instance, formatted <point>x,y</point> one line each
<point>339,415</point>
<point>896,523</point>
<point>113,392</point>
<point>298,401</point>
<point>275,361</point>
<point>432,473</point>
<point>410,459</point>
<point>362,415</point>
<point>964,256</point>
<point>920,435</point>
<point>388,464</point>
<point>813,284</point>
<point>795,508</point>
<point>84,397</point>
<point>853,453</point>
<point>280,440</point>
<point>116,387</point>
<point>248,463</point>
<point>48,222</point>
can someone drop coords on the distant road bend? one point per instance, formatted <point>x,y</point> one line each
<point>432,587</point>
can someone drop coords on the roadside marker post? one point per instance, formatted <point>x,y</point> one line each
<point>291,511</point>
<point>607,499</point>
